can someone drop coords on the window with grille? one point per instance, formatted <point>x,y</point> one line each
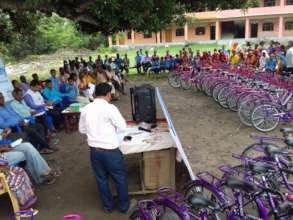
<point>269,3</point>
<point>289,25</point>
<point>268,26</point>
<point>289,2</point>
<point>200,31</point>
<point>147,35</point>
<point>179,32</point>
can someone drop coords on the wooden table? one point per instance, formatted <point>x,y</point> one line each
<point>68,116</point>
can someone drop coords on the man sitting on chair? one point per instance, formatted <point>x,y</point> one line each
<point>35,163</point>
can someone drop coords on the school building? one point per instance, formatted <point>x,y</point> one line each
<point>272,19</point>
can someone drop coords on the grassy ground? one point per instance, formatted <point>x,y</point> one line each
<point>42,64</point>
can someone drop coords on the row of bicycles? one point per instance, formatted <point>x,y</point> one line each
<point>260,187</point>
<point>261,99</point>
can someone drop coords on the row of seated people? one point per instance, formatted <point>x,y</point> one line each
<point>34,116</point>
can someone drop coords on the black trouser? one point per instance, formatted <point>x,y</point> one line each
<point>146,66</point>
<point>36,134</point>
<point>14,136</point>
<point>138,68</point>
<point>42,120</point>
<point>57,118</point>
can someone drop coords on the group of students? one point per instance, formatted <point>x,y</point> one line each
<point>274,57</point>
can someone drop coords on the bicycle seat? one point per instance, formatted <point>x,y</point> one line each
<point>236,183</point>
<point>202,202</point>
<point>272,149</point>
<point>258,167</point>
<point>289,141</point>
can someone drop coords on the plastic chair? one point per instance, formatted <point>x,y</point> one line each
<point>72,217</point>
<point>4,188</point>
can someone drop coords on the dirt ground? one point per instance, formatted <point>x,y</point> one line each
<point>209,134</point>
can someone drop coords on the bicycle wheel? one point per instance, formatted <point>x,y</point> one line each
<point>245,110</point>
<point>232,101</point>
<point>185,84</point>
<point>174,80</point>
<point>217,89</point>
<point>264,117</point>
<point>222,97</point>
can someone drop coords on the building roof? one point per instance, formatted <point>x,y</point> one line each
<point>240,13</point>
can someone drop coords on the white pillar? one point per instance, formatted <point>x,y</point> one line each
<point>218,30</point>
<point>132,36</point>
<point>110,42</point>
<point>247,28</point>
<point>282,2</point>
<point>186,32</point>
<point>281,26</point>
<point>158,36</point>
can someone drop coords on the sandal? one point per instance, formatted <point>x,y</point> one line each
<point>46,151</point>
<point>49,179</point>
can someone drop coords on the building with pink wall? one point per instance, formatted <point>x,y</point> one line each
<point>273,19</point>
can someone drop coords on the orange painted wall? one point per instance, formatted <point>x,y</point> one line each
<point>193,37</point>
<point>273,33</point>
<point>287,33</point>
<point>139,39</point>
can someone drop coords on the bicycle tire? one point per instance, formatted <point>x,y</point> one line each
<point>232,101</point>
<point>174,80</point>
<point>222,97</point>
<point>245,110</point>
<point>217,89</point>
<point>259,117</point>
<point>185,85</point>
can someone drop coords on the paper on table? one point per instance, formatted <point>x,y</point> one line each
<point>16,143</point>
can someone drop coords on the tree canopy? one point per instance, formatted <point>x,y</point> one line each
<point>110,16</point>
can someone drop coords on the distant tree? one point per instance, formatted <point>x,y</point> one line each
<point>109,16</point>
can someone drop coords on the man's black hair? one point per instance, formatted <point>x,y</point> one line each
<point>102,89</point>
<point>48,81</point>
<point>16,91</point>
<point>71,78</point>
<point>34,83</point>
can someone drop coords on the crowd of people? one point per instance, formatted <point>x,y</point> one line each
<point>35,114</point>
<point>273,57</point>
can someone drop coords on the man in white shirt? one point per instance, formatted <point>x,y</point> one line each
<point>289,58</point>
<point>100,121</point>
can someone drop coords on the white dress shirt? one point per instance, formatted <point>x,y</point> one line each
<point>289,58</point>
<point>100,121</point>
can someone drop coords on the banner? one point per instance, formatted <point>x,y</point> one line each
<point>174,134</point>
<point>5,84</point>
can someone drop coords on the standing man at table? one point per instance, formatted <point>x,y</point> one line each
<point>100,121</point>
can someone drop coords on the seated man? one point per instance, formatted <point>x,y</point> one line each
<point>71,90</point>
<point>35,101</point>
<point>10,119</point>
<point>53,95</point>
<point>54,79</point>
<point>155,65</point>
<point>21,108</point>
<point>35,163</point>
<point>24,86</point>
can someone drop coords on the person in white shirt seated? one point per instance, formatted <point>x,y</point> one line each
<point>100,121</point>
<point>36,101</point>
<point>35,163</point>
